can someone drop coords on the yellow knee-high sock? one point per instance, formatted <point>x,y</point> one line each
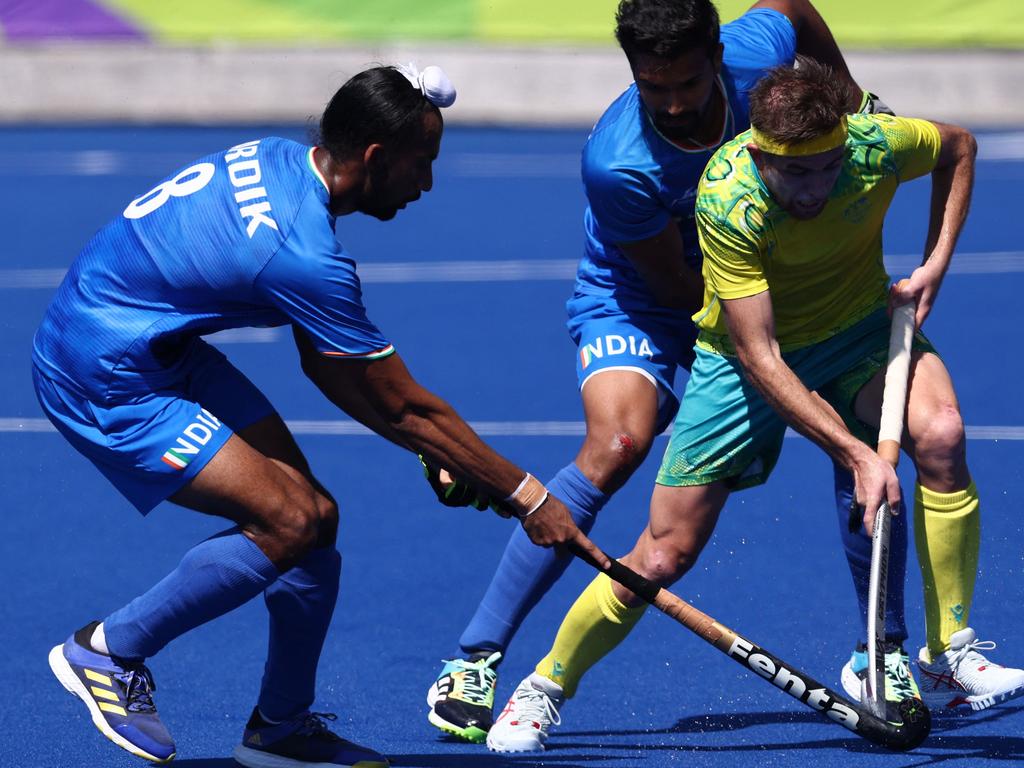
<point>597,622</point>
<point>947,534</point>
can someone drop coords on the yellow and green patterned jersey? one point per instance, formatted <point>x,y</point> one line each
<point>825,273</point>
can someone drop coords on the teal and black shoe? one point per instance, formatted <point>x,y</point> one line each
<point>899,679</point>
<point>461,700</point>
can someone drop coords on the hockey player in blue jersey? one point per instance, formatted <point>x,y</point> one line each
<point>239,238</point>
<point>638,283</point>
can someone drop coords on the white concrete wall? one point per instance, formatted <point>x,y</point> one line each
<point>496,84</point>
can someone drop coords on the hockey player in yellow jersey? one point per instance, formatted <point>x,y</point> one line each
<point>794,332</point>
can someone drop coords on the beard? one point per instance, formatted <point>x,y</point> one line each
<point>382,210</point>
<point>688,125</point>
<point>381,214</point>
<point>678,127</point>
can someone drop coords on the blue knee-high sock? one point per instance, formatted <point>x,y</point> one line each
<point>214,577</point>
<point>858,556</point>
<point>301,603</point>
<point>526,571</point>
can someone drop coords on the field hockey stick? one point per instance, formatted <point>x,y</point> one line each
<point>890,432</point>
<point>909,732</point>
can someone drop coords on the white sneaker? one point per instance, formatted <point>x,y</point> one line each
<point>962,675</point>
<point>523,724</point>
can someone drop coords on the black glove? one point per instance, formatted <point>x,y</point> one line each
<point>453,492</point>
<point>872,105</point>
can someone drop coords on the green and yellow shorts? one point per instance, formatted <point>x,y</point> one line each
<point>726,431</point>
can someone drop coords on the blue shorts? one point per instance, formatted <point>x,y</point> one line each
<point>727,431</point>
<point>152,445</point>
<point>655,342</point>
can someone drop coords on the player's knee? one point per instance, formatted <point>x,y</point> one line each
<point>619,454</point>
<point>296,524</point>
<point>666,562</point>
<point>942,441</point>
<point>628,448</point>
<point>327,510</point>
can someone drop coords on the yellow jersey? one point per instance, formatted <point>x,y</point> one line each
<point>825,273</point>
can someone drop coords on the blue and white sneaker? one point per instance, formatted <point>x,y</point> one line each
<point>303,741</point>
<point>118,694</point>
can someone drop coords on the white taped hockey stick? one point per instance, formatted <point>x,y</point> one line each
<point>890,432</point>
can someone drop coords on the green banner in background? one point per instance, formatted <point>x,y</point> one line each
<point>855,23</point>
<point>576,21</point>
<point>290,22</point>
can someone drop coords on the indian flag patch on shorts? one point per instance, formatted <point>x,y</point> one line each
<point>193,438</point>
<point>175,459</point>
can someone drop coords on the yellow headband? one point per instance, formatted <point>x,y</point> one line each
<point>834,138</point>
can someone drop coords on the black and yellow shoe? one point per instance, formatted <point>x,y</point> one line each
<point>461,700</point>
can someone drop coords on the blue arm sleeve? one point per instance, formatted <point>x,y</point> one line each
<point>755,42</point>
<point>313,281</point>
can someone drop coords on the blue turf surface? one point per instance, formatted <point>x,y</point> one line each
<point>72,549</point>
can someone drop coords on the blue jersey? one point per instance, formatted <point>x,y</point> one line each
<point>636,180</point>
<point>240,238</point>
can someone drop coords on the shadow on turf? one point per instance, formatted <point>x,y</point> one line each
<point>476,760</point>
<point>950,733</point>
<point>489,760</point>
<point>950,740</point>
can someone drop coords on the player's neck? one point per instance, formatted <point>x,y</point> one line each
<point>711,131</point>
<point>343,180</point>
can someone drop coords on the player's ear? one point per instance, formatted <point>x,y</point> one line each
<point>756,155</point>
<point>716,59</point>
<point>375,157</point>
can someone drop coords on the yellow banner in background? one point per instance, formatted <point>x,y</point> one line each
<point>856,24</point>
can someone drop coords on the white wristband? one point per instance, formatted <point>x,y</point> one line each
<point>528,497</point>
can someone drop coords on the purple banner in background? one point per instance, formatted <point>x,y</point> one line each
<point>28,20</point>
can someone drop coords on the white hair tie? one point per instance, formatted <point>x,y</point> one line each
<point>432,82</point>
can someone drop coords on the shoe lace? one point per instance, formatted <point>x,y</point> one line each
<point>971,651</point>
<point>897,670</point>
<point>478,679</point>
<point>315,724</point>
<point>536,706</point>
<point>139,687</point>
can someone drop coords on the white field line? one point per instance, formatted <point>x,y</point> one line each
<point>1005,146</point>
<point>535,270</point>
<point>345,428</point>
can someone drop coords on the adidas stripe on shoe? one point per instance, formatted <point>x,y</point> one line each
<point>118,694</point>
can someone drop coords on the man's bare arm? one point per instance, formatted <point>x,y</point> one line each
<point>751,326</point>
<point>661,263</point>
<point>814,39</point>
<point>952,183</point>
<point>383,395</point>
<point>351,400</point>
